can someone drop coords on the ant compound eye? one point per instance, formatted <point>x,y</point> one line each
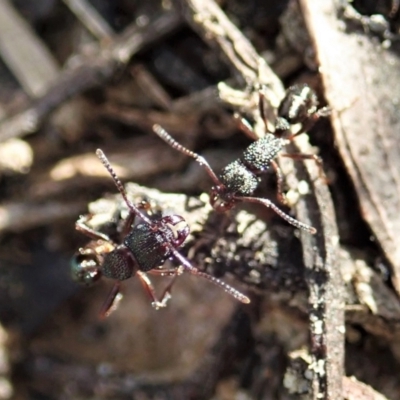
<point>85,270</point>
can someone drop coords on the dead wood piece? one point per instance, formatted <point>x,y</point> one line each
<point>320,253</point>
<point>299,374</point>
<point>54,377</point>
<point>133,159</point>
<point>362,78</point>
<point>16,156</point>
<point>213,25</point>
<point>369,288</point>
<point>90,73</point>
<point>356,390</point>
<point>24,53</point>
<point>149,85</point>
<point>91,19</point>
<point>20,216</point>
<point>185,124</point>
<point>323,276</point>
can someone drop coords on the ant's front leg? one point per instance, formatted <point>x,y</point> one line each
<point>245,126</point>
<point>149,288</point>
<point>164,272</point>
<point>311,121</point>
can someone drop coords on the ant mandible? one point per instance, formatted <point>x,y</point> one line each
<point>141,249</point>
<point>238,181</point>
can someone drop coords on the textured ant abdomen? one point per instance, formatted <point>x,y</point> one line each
<point>299,104</point>
<point>258,156</point>
<point>239,179</point>
<point>148,246</point>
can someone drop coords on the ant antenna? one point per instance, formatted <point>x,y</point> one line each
<point>282,214</point>
<point>224,286</point>
<point>120,186</point>
<point>164,135</point>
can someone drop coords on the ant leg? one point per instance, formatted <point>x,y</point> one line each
<point>163,272</point>
<point>305,127</point>
<point>286,217</point>
<point>149,288</point>
<point>314,157</point>
<point>112,301</point>
<point>244,126</point>
<point>186,264</point>
<point>81,226</point>
<point>279,182</point>
<point>263,112</point>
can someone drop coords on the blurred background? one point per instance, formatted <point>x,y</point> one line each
<point>77,75</point>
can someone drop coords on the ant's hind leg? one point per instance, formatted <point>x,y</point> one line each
<point>279,182</point>
<point>314,157</point>
<point>244,126</point>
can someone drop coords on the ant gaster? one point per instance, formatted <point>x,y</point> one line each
<point>238,181</point>
<point>299,106</point>
<point>142,249</point>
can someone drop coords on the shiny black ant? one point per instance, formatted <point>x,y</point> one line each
<point>141,249</point>
<point>238,180</point>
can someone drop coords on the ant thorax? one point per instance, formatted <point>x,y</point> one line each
<point>147,245</point>
<point>258,156</point>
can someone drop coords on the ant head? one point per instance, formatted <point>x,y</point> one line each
<point>85,265</point>
<point>168,225</point>
<point>221,199</point>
